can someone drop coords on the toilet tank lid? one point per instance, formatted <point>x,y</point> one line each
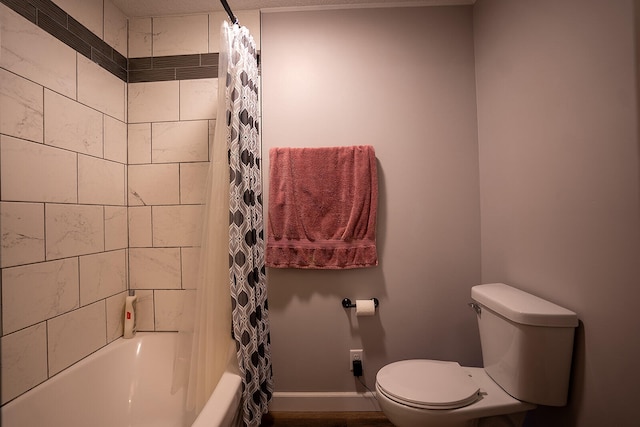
<point>522,307</point>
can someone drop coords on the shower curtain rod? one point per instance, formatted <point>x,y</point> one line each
<point>232,17</point>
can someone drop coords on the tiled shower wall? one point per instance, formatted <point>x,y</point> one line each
<point>101,181</point>
<point>63,157</point>
<point>170,127</point>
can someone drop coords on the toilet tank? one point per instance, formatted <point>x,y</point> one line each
<point>527,343</point>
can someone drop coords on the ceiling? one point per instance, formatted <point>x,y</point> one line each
<point>179,7</point>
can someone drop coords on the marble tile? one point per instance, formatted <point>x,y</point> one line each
<point>22,230</point>
<point>180,142</point>
<point>177,225</point>
<point>36,55</point>
<point>154,102</point>
<point>23,360</point>
<point>115,228</point>
<point>100,89</point>
<point>22,106</point>
<point>115,316</point>
<point>144,310</point>
<point>198,99</point>
<point>140,37</point>
<point>34,172</point>
<point>73,230</point>
<point>88,12</point>
<point>139,143</point>
<point>190,263</point>
<point>36,292</point>
<point>193,182</point>
<point>140,227</point>
<point>71,125</point>
<point>115,27</point>
<point>75,335</point>
<point>115,140</point>
<point>102,275</point>
<point>100,182</point>
<point>168,309</point>
<point>154,184</point>
<point>154,268</point>
<point>180,35</point>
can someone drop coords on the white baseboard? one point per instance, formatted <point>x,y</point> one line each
<point>323,402</point>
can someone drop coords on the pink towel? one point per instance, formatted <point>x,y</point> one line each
<point>322,208</point>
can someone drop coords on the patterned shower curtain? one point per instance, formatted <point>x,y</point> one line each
<point>250,321</point>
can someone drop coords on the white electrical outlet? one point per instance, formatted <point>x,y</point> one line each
<point>355,354</point>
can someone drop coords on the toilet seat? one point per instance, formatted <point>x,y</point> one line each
<point>427,384</point>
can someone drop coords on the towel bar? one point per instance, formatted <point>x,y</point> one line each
<point>346,303</point>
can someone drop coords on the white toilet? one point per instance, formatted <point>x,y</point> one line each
<point>527,344</point>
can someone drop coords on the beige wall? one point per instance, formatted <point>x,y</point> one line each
<point>557,132</point>
<point>401,80</point>
<point>558,139</point>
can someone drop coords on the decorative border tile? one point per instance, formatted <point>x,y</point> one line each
<point>23,8</point>
<point>175,67</point>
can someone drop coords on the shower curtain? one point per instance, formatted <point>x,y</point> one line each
<point>246,234</point>
<point>225,317</point>
<point>204,338</point>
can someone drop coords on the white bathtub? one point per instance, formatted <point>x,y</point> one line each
<point>125,384</point>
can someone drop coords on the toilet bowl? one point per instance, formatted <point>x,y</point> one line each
<point>527,345</point>
<point>432,393</point>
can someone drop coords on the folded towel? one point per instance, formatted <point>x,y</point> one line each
<point>322,208</point>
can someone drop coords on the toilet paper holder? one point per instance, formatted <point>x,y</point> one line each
<point>346,303</point>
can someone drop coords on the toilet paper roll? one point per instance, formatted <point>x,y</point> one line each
<point>365,307</point>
